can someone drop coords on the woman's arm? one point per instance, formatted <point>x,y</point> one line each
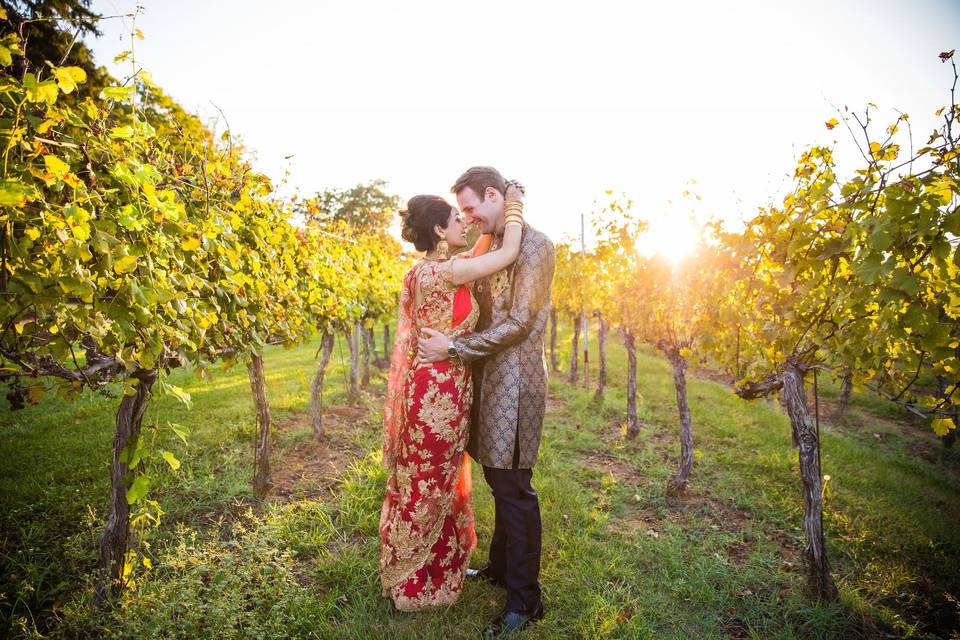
<point>470,269</point>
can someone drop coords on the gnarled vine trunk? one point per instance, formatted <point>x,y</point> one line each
<point>602,346</point>
<point>116,533</point>
<point>807,441</point>
<point>574,349</point>
<point>678,483</point>
<point>633,421</point>
<point>316,389</point>
<point>554,363</point>
<point>387,346</point>
<point>353,342</point>
<point>846,387</point>
<point>367,348</point>
<point>261,445</point>
<point>379,363</point>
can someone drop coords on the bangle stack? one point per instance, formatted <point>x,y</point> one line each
<point>513,210</point>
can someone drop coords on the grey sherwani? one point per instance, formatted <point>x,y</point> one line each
<point>507,352</point>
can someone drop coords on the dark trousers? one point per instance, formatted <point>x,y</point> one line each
<point>515,547</point>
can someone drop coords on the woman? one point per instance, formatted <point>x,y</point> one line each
<point>426,524</point>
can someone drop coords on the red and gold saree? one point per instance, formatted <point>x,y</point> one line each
<point>426,523</point>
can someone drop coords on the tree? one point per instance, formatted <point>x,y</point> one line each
<point>130,244</point>
<point>677,312</point>
<point>49,32</point>
<point>365,207</point>
<point>859,274</point>
<point>606,269</point>
<point>616,260</point>
<point>567,297</point>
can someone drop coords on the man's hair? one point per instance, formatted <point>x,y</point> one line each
<point>478,179</point>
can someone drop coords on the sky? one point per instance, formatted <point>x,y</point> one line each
<point>572,99</point>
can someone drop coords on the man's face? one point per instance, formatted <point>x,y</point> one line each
<point>485,213</point>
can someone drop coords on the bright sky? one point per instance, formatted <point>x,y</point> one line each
<point>570,98</point>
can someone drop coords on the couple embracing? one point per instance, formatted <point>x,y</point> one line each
<point>468,375</point>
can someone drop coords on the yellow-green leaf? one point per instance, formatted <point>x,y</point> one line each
<point>13,193</point>
<point>138,489</point>
<point>116,93</point>
<point>124,132</point>
<point>888,152</point>
<point>126,264</point>
<point>69,77</point>
<point>78,219</point>
<point>181,431</point>
<point>942,426</point>
<point>171,460</point>
<point>36,393</point>
<point>56,166</point>
<point>190,244</point>
<point>45,91</point>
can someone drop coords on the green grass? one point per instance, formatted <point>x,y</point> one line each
<point>618,561</point>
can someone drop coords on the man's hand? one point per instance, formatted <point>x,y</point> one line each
<point>434,347</point>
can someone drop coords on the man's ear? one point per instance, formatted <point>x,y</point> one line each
<point>490,193</point>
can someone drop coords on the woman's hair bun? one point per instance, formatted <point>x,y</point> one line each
<point>423,213</point>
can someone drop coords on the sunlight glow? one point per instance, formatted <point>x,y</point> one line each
<point>672,236</point>
<point>637,97</point>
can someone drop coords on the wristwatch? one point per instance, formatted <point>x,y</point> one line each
<point>453,354</point>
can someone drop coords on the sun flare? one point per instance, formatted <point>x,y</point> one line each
<point>672,236</point>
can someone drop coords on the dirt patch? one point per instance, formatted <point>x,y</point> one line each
<point>607,463</point>
<point>616,434</point>
<point>645,520</point>
<point>790,548</point>
<point>691,503</point>
<point>554,404</point>
<point>311,468</point>
<point>343,411</point>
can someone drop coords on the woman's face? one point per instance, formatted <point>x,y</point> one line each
<point>456,232</point>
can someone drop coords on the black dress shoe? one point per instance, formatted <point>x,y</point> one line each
<point>486,575</point>
<point>510,622</point>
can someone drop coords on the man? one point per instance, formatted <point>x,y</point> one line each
<point>510,383</point>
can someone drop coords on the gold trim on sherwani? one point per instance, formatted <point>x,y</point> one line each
<point>507,352</point>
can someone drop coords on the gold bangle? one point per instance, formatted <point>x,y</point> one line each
<point>513,216</point>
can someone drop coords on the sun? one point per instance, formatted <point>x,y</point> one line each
<point>670,235</point>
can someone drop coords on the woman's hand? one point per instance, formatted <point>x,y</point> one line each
<point>514,191</point>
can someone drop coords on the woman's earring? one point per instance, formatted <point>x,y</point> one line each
<point>443,250</point>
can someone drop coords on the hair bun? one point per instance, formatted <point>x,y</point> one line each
<point>422,214</point>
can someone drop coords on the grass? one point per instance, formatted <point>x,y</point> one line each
<point>618,562</point>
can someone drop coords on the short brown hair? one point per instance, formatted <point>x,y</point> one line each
<point>478,179</point>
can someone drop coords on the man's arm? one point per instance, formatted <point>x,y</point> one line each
<point>531,292</point>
